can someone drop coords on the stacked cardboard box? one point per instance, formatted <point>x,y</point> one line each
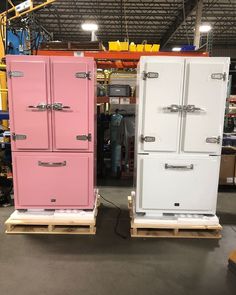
<point>227,170</point>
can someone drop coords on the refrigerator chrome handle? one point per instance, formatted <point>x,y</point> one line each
<point>173,108</point>
<point>58,106</point>
<point>191,108</point>
<point>40,107</point>
<point>181,167</point>
<point>52,164</point>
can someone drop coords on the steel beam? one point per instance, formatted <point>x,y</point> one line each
<point>197,34</point>
<point>190,6</point>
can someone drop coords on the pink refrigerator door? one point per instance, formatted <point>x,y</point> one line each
<point>53,180</point>
<point>73,101</point>
<point>28,99</point>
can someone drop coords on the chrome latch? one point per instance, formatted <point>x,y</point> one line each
<point>150,75</point>
<point>83,75</point>
<point>40,107</point>
<point>213,139</point>
<point>191,108</point>
<point>173,108</point>
<point>219,76</point>
<point>148,138</point>
<point>84,137</point>
<point>18,136</point>
<point>15,74</point>
<point>58,106</point>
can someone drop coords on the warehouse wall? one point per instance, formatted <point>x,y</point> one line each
<point>224,51</point>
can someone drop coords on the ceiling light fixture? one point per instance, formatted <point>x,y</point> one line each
<point>176,49</point>
<point>92,27</point>
<point>205,28</point>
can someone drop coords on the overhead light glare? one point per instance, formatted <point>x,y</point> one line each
<point>90,27</point>
<point>176,49</point>
<point>205,28</point>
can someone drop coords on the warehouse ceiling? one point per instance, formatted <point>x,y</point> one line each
<point>168,22</point>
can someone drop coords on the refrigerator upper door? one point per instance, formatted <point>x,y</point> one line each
<point>160,104</point>
<point>30,118</point>
<point>53,180</point>
<point>177,184</point>
<point>204,102</point>
<point>73,103</point>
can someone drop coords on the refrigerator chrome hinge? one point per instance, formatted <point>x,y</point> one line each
<point>83,75</point>
<point>150,75</point>
<point>219,76</point>
<point>18,137</point>
<point>213,139</point>
<point>15,74</point>
<point>84,137</point>
<point>147,138</point>
<point>140,213</point>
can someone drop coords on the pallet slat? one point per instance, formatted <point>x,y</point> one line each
<point>156,229</point>
<point>190,234</point>
<point>40,229</point>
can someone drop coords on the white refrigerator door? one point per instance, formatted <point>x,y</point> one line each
<point>177,184</point>
<point>204,101</point>
<point>159,99</point>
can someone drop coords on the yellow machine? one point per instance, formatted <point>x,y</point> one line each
<point>12,13</point>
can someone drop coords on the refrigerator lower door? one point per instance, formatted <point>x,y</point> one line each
<point>177,184</point>
<point>53,180</point>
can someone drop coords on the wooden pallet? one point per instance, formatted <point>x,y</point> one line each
<point>156,229</point>
<point>54,225</point>
<point>232,262</point>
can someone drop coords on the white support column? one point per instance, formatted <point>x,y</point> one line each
<point>93,36</point>
<point>198,23</point>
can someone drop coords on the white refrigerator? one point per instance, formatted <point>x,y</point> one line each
<point>180,117</point>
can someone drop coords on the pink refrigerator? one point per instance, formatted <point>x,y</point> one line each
<point>52,121</point>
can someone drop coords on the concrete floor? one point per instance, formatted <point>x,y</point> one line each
<point>107,264</point>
